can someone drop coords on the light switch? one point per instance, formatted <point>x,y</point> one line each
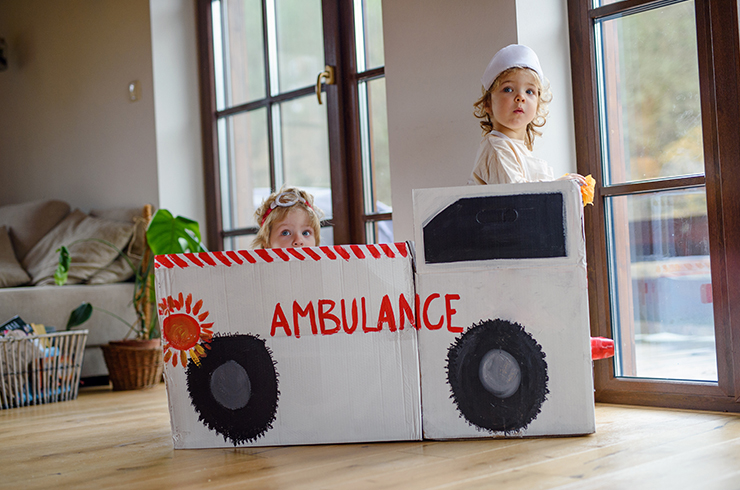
<point>134,91</point>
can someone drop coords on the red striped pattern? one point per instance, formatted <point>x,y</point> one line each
<point>307,254</point>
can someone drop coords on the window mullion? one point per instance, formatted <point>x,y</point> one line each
<point>339,113</point>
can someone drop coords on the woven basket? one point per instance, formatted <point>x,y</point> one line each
<point>40,368</point>
<point>132,366</point>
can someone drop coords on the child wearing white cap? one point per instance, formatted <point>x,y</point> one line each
<point>512,108</point>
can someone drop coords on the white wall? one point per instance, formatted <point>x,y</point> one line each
<point>177,116</point>
<point>435,53</point>
<point>67,128</point>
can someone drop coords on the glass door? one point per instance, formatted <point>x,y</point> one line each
<point>278,121</point>
<point>271,130</point>
<point>654,194</point>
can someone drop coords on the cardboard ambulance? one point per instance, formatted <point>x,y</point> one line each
<point>508,352</point>
<point>487,337</point>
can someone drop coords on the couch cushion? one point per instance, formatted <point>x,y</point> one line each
<point>11,272</point>
<point>119,270</point>
<point>30,221</point>
<point>87,256</point>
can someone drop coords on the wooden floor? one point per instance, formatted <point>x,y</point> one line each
<point>106,439</point>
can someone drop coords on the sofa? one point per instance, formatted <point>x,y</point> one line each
<point>31,233</point>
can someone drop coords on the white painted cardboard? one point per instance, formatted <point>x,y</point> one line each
<point>546,296</point>
<point>333,386</point>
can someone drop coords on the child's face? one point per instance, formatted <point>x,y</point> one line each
<point>513,104</point>
<point>294,230</point>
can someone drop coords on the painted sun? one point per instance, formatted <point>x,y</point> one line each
<point>183,329</point>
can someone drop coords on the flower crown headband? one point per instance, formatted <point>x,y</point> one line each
<point>285,200</point>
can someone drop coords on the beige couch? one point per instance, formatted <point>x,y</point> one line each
<point>30,234</point>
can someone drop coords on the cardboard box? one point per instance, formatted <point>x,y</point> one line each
<point>290,346</point>
<point>316,345</point>
<point>505,342</point>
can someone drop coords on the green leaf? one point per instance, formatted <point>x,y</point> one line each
<point>79,315</point>
<point>60,275</point>
<point>169,235</point>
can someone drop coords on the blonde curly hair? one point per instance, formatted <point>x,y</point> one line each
<point>544,98</point>
<point>277,205</point>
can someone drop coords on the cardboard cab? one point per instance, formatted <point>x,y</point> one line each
<point>514,358</point>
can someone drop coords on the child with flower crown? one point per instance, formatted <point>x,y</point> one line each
<point>288,218</point>
<point>512,108</point>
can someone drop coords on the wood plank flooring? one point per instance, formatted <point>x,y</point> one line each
<point>106,439</point>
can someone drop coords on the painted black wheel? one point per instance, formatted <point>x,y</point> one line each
<point>235,389</point>
<point>498,376</point>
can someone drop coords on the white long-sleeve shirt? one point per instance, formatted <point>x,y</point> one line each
<point>502,160</point>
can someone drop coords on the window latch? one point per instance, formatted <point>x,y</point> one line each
<point>328,75</point>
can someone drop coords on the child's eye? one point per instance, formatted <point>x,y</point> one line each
<point>530,91</point>
<point>508,89</point>
<point>307,233</point>
<point>285,233</point>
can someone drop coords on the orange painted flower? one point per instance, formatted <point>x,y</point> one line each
<point>184,330</point>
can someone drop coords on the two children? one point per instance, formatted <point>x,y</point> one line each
<point>288,218</point>
<point>512,108</point>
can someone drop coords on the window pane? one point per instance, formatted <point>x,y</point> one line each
<point>239,52</point>
<point>379,232</point>
<point>369,34</point>
<point>374,140</point>
<point>651,117</point>
<point>327,235</point>
<point>247,167</point>
<point>305,149</point>
<point>379,154</point>
<point>241,242</point>
<point>300,43</point>
<point>601,3</point>
<point>661,285</point>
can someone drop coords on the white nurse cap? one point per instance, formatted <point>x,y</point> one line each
<point>509,57</point>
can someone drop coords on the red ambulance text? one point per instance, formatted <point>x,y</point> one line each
<point>328,318</point>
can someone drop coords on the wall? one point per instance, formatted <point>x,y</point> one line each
<point>435,54</point>
<point>176,107</point>
<point>67,128</point>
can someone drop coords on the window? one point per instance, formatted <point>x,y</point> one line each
<point>661,140</point>
<point>265,124</point>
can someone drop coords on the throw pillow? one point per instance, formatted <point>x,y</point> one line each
<point>11,272</point>
<point>29,222</point>
<point>119,270</point>
<point>87,256</point>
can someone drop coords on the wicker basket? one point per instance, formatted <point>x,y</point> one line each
<point>40,369</point>
<point>133,365</point>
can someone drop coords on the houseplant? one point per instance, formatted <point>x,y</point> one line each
<point>137,362</point>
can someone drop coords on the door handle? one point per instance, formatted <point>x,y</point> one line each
<point>328,75</point>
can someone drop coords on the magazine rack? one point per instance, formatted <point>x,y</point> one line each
<point>40,369</point>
